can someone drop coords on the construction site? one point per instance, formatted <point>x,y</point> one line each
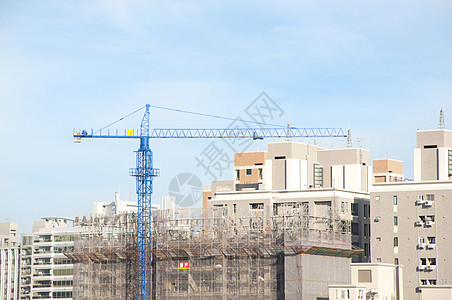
<point>208,254</point>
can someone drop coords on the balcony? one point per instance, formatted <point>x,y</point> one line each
<point>428,203</point>
<point>428,223</point>
<point>430,268</point>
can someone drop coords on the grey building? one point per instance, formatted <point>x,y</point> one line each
<point>411,220</point>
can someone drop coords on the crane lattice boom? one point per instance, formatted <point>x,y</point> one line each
<point>145,172</point>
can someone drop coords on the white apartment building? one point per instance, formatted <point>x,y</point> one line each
<point>373,281</point>
<point>45,271</point>
<point>9,261</point>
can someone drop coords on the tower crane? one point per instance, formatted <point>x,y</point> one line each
<point>144,172</point>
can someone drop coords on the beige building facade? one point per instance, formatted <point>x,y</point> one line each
<point>433,155</point>
<point>387,170</point>
<point>321,182</point>
<point>411,220</point>
<point>371,281</point>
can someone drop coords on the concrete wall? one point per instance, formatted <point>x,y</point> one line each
<point>431,159</point>
<point>387,165</point>
<point>436,292</point>
<point>408,253</point>
<point>307,276</point>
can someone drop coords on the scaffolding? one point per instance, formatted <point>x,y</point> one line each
<point>104,257</point>
<point>210,254</point>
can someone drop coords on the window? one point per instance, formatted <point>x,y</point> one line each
<point>60,272</point>
<point>377,198</point>
<point>364,276</point>
<point>450,162</point>
<point>365,211</point>
<point>318,176</point>
<point>62,261</point>
<point>432,282</point>
<point>423,261</point>
<point>248,171</point>
<point>394,199</point>
<point>61,295</point>
<point>355,230</point>
<point>306,207</point>
<point>378,259</point>
<point>256,205</point>
<point>432,261</point>
<point>396,261</point>
<point>355,209</point>
<point>234,207</point>
<point>423,281</point>
<point>430,197</point>
<point>396,221</point>
<point>366,250</point>
<point>431,240</point>
<point>237,174</point>
<point>366,230</point>
<point>396,242</point>
<point>260,173</point>
<point>342,208</point>
<point>378,239</point>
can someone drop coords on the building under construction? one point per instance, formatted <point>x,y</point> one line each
<point>211,254</point>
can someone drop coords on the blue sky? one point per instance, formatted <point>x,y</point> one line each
<point>382,68</point>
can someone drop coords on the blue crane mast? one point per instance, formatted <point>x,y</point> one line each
<point>144,172</point>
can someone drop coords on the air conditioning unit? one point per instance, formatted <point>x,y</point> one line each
<point>418,223</point>
<point>429,223</point>
<point>421,268</point>
<point>428,203</point>
<point>430,246</point>
<point>419,201</point>
<point>430,268</point>
<point>421,245</point>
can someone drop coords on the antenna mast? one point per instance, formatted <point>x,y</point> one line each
<point>441,123</point>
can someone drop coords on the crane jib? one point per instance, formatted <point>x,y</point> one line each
<point>144,172</point>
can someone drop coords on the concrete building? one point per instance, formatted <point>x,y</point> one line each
<point>433,155</point>
<point>411,220</point>
<point>8,234</point>
<point>387,170</point>
<point>211,254</point>
<point>45,271</point>
<point>117,207</point>
<point>9,261</point>
<point>371,281</point>
<point>323,182</point>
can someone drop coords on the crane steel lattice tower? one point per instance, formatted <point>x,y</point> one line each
<point>145,172</point>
